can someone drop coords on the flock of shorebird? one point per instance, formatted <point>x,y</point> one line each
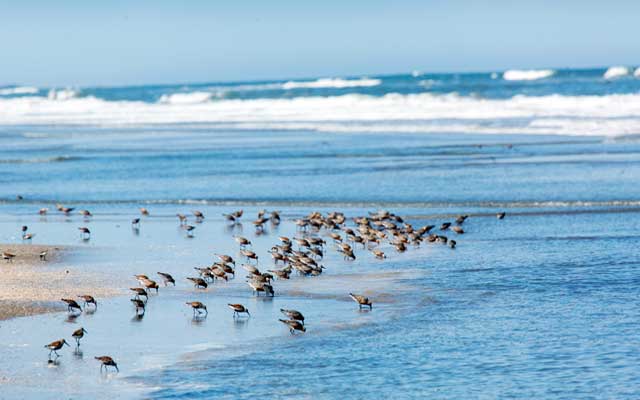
<point>369,233</point>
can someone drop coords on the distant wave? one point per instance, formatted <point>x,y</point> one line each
<point>607,115</point>
<point>331,83</point>
<point>186,98</point>
<point>527,75</point>
<point>40,160</point>
<point>616,72</point>
<point>62,94</point>
<point>636,73</point>
<point>18,90</point>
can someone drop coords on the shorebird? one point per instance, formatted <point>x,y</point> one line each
<point>144,211</point>
<point>281,274</point>
<point>361,300</point>
<point>242,241</point>
<point>78,334</point>
<point>275,217</point>
<point>85,233</point>
<point>457,230</point>
<point>199,282</point>
<point>261,287</point>
<point>460,220</point>
<point>259,223</point>
<point>107,361</point>
<point>88,300</point>
<point>293,314</point>
<point>166,278</point>
<point>198,307</point>
<point>249,254</point>
<point>189,229</point>
<point>72,304</point>
<point>149,284</point>
<point>445,226</point>
<point>8,256</point>
<point>182,218</point>
<point>85,213</point>
<point>226,259</point>
<point>293,325</point>
<point>139,292</point>
<point>24,229</point>
<point>199,215</point>
<point>43,211</point>
<point>28,236</point>
<point>378,253</point>
<point>140,305</point>
<point>64,210</point>
<point>55,346</point>
<point>135,223</point>
<point>43,255</point>
<point>501,215</point>
<point>452,244</point>
<point>239,309</point>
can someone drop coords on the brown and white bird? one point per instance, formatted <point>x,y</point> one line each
<point>167,278</point>
<point>107,361</point>
<point>144,211</point>
<point>140,305</point>
<point>293,325</point>
<point>199,215</point>
<point>78,334</point>
<point>361,300</point>
<point>72,304</point>
<point>198,307</point>
<point>239,309</point>
<point>182,218</point>
<point>139,292</point>
<point>88,300</point>
<point>55,346</point>
<point>501,215</point>
<point>293,314</point>
<point>85,233</point>
<point>8,256</point>
<point>198,282</point>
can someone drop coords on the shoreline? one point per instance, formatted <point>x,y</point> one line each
<point>31,286</point>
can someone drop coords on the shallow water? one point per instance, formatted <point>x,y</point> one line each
<point>540,304</point>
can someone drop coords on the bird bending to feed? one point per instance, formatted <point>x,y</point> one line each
<point>139,305</point>
<point>198,282</point>
<point>135,223</point>
<point>8,256</point>
<point>361,300</point>
<point>144,211</point>
<point>88,300</point>
<point>55,346</point>
<point>199,215</point>
<point>85,213</point>
<point>167,278</point>
<point>239,309</point>
<point>149,284</point>
<point>28,236</point>
<point>189,229</point>
<point>78,334</point>
<point>452,244</point>
<point>107,362</point>
<point>261,287</point>
<point>139,292</point>
<point>72,304</point>
<point>501,215</point>
<point>293,314</point>
<point>293,325</point>
<point>43,211</point>
<point>182,218</point>
<point>457,230</point>
<point>198,307</point>
<point>85,233</point>
<point>43,255</point>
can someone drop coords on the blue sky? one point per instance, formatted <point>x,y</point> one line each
<point>134,42</point>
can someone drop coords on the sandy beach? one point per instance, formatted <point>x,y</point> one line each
<point>31,286</point>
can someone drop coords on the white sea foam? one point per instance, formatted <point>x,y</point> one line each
<point>18,90</point>
<point>186,98</point>
<point>610,115</point>
<point>331,83</point>
<point>527,75</point>
<point>62,94</point>
<point>636,73</point>
<point>616,72</point>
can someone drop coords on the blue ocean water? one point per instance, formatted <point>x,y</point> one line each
<point>542,304</point>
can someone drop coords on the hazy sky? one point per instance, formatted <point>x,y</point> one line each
<point>133,42</point>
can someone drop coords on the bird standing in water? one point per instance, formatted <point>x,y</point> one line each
<point>55,346</point>
<point>107,362</point>
<point>78,334</point>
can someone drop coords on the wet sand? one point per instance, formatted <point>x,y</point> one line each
<point>32,286</point>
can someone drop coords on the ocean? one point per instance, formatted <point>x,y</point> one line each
<point>541,304</point>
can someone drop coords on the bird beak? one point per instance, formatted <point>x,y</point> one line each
<point>65,342</point>
<point>84,330</point>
